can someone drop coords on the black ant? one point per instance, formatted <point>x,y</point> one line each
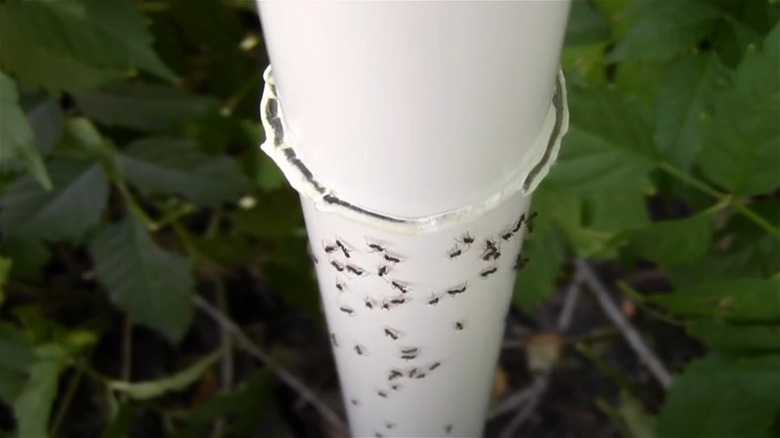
<point>354,402</point>
<point>454,253</point>
<point>403,287</point>
<point>329,248</point>
<point>359,350</point>
<point>391,259</point>
<point>333,340</point>
<point>397,301</point>
<point>458,290</point>
<point>519,223</point>
<point>410,350</point>
<point>434,366</point>
<point>343,248</point>
<point>382,394</point>
<point>395,387</point>
<point>340,286</point>
<point>421,376</point>
<point>467,239</point>
<point>520,262</point>
<point>506,236</point>
<point>355,270</point>
<point>492,254</point>
<point>346,310</point>
<point>386,305</point>
<point>490,245</point>
<point>389,425</point>
<point>375,247</point>
<point>448,428</point>
<point>433,301</point>
<point>394,374</point>
<point>369,304</point>
<point>339,267</point>
<point>382,271</point>
<point>459,325</point>
<point>486,272</point>
<point>408,356</point>
<point>392,333</point>
<point>412,373</point>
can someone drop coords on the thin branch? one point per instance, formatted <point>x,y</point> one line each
<point>252,349</point>
<point>536,390</point>
<point>632,336</point>
<point>531,395</point>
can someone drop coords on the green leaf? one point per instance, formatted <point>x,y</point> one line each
<point>743,138</point>
<point>536,281</point>
<point>168,166</point>
<point>153,286</point>
<point>729,398</point>
<point>29,256</point>
<point>615,212</point>
<point>5,271</point>
<point>74,205</point>
<point>108,34</point>
<point>37,66</point>
<point>142,106</point>
<point>586,25</point>
<point>735,299</point>
<point>636,418</point>
<point>737,338</point>
<point>661,29</point>
<point>674,242</point>
<point>16,136</point>
<point>33,406</point>
<point>16,356</point>
<point>685,88</point>
<point>608,146</point>
<point>177,382</point>
<point>46,119</point>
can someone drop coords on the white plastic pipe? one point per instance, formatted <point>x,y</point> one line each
<point>415,134</point>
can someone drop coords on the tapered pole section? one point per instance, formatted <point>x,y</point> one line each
<point>415,134</point>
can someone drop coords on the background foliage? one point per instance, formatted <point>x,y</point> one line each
<point>131,183</point>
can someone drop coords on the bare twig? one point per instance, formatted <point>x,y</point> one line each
<point>632,336</point>
<point>252,349</point>
<point>127,353</point>
<point>533,393</point>
<point>536,389</point>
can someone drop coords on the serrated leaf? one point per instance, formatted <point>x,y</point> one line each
<point>169,166</point>
<point>47,120</point>
<point>675,241</point>
<point>177,382</point>
<point>75,204</point>
<point>687,84</point>
<point>730,398</point>
<point>616,212</point>
<point>142,106</point>
<point>661,29</point>
<point>607,147</point>
<point>16,356</point>
<point>750,299</point>
<point>153,286</point>
<point>743,139</point>
<point>16,135</point>
<point>737,338</point>
<point>37,66</point>
<point>108,34</point>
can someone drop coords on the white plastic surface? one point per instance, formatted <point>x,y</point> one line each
<point>457,334</point>
<point>415,108</point>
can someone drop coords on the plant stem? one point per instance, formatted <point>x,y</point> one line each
<point>722,197</point>
<point>67,399</point>
<point>134,206</point>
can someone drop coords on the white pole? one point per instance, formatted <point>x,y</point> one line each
<point>415,134</point>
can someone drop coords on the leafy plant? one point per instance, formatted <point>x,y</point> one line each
<point>131,182</point>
